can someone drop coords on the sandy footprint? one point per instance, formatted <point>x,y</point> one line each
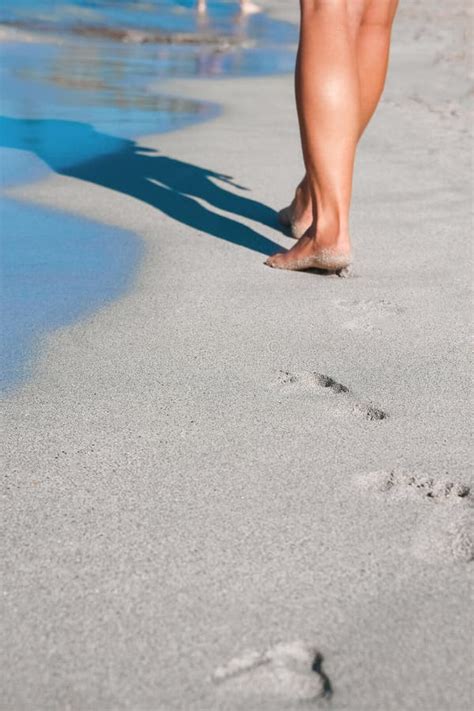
<point>290,671</point>
<point>367,313</point>
<point>404,484</point>
<point>446,534</point>
<point>308,381</point>
<point>446,530</point>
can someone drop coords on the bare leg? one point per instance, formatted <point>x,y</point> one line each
<point>370,22</point>
<point>329,115</point>
<point>373,48</point>
<point>299,214</point>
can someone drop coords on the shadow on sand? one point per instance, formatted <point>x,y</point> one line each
<point>77,150</point>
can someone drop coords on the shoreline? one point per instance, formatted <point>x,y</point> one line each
<point>175,498</point>
<point>38,32</point>
<point>22,134</point>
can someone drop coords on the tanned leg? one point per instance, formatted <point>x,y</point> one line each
<point>373,48</point>
<point>370,23</point>
<point>299,214</point>
<point>329,112</point>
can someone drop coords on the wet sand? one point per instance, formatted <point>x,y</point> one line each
<point>196,474</point>
<point>31,29</point>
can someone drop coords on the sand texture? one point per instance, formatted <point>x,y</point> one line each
<point>231,459</point>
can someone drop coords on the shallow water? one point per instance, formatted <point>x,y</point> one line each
<point>115,86</point>
<point>56,268</point>
<point>42,84</point>
<point>69,97</point>
<point>223,17</point>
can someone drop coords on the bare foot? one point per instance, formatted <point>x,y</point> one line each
<point>309,254</point>
<point>299,215</point>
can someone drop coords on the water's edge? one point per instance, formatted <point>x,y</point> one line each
<point>58,267</point>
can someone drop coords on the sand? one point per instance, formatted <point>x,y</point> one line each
<point>192,474</point>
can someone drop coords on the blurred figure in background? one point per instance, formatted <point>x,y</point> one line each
<point>246,7</point>
<point>340,73</point>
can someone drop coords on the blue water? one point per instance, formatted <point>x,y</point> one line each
<point>223,18</point>
<point>56,268</point>
<point>112,99</point>
<point>72,104</point>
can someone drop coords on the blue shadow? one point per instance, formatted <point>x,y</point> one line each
<point>57,267</point>
<point>165,183</point>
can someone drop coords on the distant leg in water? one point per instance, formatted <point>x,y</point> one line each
<point>246,7</point>
<point>340,73</point>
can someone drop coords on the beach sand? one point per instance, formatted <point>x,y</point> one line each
<point>197,472</point>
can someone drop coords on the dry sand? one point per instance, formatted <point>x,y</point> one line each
<point>193,473</point>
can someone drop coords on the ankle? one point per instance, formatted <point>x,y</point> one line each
<point>302,201</point>
<point>332,230</point>
<point>304,188</point>
<point>329,238</point>
<point>339,242</point>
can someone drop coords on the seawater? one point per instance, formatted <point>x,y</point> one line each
<point>70,95</point>
<point>56,269</point>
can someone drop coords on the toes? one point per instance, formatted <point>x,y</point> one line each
<point>274,260</point>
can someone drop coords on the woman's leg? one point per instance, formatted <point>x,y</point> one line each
<point>373,48</point>
<point>329,114</point>
<point>370,23</point>
<point>299,214</point>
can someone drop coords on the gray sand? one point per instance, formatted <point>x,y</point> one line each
<point>184,486</point>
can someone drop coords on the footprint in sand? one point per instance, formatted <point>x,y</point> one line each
<point>290,671</point>
<point>309,381</point>
<point>367,313</point>
<point>446,530</point>
<point>403,483</point>
<point>446,534</point>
